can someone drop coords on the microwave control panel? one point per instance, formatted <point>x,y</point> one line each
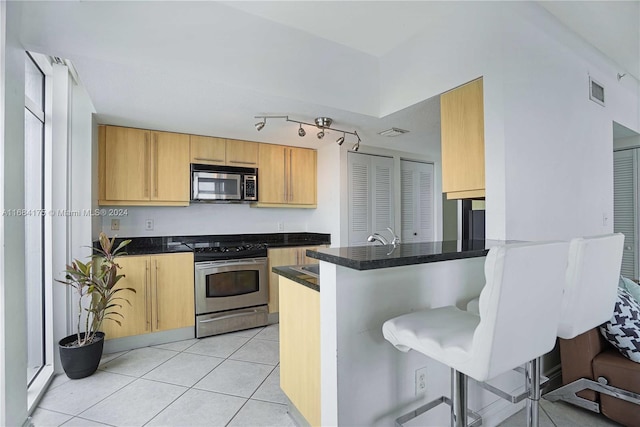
<point>250,189</point>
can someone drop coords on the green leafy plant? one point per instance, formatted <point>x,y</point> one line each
<point>95,283</point>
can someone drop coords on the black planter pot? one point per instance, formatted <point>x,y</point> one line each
<point>80,362</point>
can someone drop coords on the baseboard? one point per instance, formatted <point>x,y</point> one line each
<point>138,341</point>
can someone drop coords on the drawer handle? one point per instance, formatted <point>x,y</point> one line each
<point>229,316</point>
<point>242,163</point>
<point>206,159</point>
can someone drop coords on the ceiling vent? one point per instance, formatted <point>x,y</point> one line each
<point>392,132</point>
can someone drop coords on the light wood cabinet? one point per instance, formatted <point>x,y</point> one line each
<point>287,177</point>
<point>242,153</point>
<point>164,294</point>
<point>462,133</point>
<point>218,151</point>
<point>208,150</point>
<point>142,167</point>
<point>284,256</point>
<point>300,369</point>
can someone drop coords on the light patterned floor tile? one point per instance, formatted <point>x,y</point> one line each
<point>177,345</point>
<point>271,332</point>
<point>185,369</point>
<point>45,418</point>
<point>567,415</point>
<point>235,377</point>
<point>270,389</point>
<point>262,414</point>
<point>81,422</point>
<point>218,346</point>
<point>249,333</point>
<point>135,404</point>
<point>259,351</point>
<point>138,362</point>
<point>75,396</point>
<point>57,380</point>
<point>199,408</point>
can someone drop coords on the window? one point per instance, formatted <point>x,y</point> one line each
<point>34,129</point>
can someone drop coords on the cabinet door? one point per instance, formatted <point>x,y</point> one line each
<point>172,290</point>
<point>126,164</point>
<point>462,127</point>
<point>278,257</point>
<point>271,174</point>
<point>302,176</point>
<point>242,153</point>
<point>302,255</point>
<point>207,150</point>
<point>416,201</point>
<point>170,167</point>
<point>137,313</point>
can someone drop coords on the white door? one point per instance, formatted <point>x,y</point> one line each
<point>625,207</point>
<point>416,195</point>
<point>370,190</point>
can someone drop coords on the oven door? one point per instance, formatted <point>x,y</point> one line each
<point>230,284</point>
<point>216,186</point>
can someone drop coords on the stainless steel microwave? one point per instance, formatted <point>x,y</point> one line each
<point>211,183</point>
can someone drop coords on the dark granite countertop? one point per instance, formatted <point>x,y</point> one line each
<point>304,279</point>
<point>372,257</point>
<point>173,244</point>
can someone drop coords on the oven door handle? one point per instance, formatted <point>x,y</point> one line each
<point>228,316</point>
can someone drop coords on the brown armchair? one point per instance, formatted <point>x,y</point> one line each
<point>597,377</point>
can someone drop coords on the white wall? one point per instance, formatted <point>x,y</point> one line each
<point>548,148</point>
<point>13,344</point>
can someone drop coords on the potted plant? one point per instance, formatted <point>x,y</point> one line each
<point>95,285</point>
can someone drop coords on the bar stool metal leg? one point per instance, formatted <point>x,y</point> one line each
<point>532,373</point>
<point>458,399</point>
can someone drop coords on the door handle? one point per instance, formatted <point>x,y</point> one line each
<point>156,167</point>
<point>157,305</point>
<point>146,295</point>
<point>147,161</point>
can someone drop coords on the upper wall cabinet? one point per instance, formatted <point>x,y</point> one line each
<point>217,151</point>
<point>142,167</point>
<point>462,126</point>
<point>287,177</point>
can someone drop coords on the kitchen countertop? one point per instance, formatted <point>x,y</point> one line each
<point>173,244</point>
<point>304,279</point>
<point>373,257</point>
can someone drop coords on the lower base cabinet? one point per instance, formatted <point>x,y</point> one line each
<point>164,297</point>
<point>300,348</point>
<point>285,256</point>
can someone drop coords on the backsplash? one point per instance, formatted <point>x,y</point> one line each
<point>207,219</point>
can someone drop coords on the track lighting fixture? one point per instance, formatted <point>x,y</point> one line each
<point>322,123</point>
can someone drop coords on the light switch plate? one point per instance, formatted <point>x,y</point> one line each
<point>115,224</point>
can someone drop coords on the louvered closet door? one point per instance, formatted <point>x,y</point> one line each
<point>625,167</point>
<point>416,188</point>
<point>370,196</point>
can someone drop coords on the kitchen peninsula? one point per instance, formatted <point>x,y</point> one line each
<point>358,378</point>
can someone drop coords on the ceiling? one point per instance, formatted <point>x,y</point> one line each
<point>210,67</point>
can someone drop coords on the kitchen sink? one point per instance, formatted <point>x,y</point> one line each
<point>312,270</point>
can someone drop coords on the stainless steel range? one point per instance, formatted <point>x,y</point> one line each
<point>231,288</point>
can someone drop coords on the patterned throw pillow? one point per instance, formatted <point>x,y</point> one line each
<point>623,329</point>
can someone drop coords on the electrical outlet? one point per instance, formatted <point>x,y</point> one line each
<point>148,224</point>
<point>421,381</point>
<point>280,226</point>
<point>115,224</point>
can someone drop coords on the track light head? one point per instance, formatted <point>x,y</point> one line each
<point>320,134</point>
<point>301,132</point>
<point>340,140</point>
<point>356,146</point>
<point>260,125</point>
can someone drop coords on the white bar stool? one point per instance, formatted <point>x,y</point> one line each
<point>590,292</point>
<point>510,330</point>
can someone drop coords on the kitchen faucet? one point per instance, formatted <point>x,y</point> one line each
<point>376,237</point>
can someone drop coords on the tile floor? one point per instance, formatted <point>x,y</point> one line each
<point>226,380</point>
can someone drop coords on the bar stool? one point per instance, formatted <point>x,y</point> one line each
<point>590,291</point>
<point>520,278</point>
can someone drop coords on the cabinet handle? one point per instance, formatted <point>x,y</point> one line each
<point>147,160</point>
<point>206,159</point>
<point>290,183</point>
<point>146,295</point>
<point>157,305</point>
<point>242,163</point>
<point>284,154</point>
<point>155,190</point>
